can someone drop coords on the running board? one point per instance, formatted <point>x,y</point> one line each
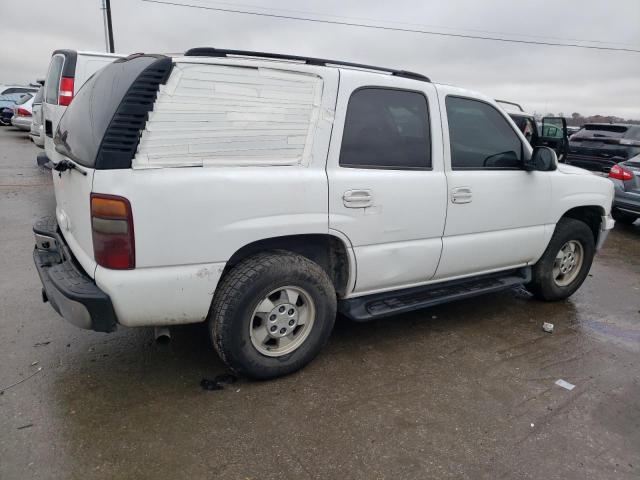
<point>370,307</point>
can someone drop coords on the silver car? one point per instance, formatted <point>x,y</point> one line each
<point>22,113</point>
<point>37,126</point>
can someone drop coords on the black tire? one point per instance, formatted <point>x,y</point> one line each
<point>623,217</point>
<point>240,291</point>
<point>543,284</point>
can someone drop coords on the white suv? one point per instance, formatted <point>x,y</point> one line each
<point>263,193</point>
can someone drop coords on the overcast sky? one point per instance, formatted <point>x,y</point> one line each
<point>542,78</point>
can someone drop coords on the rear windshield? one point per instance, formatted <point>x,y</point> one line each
<point>609,132</point>
<point>602,131</point>
<point>17,90</point>
<point>85,121</point>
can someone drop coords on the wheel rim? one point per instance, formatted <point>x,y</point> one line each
<point>282,321</point>
<point>568,263</point>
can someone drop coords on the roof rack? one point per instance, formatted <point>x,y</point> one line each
<point>216,52</point>
<point>511,103</point>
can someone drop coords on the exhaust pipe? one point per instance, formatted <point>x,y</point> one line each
<point>162,334</point>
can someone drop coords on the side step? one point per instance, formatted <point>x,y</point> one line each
<point>362,309</point>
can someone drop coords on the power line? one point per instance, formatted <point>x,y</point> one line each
<point>396,29</point>
<point>415,25</point>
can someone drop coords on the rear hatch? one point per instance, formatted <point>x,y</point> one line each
<point>100,130</point>
<point>605,143</point>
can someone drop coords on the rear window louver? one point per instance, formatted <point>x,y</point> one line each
<point>121,139</point>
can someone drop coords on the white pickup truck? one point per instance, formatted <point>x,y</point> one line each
<point>264,193</point>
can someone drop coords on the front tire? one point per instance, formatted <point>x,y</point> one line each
<point>565,263</point>
<point>271,314</point>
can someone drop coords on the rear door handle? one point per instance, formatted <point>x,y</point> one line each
<point>357,198</point>
<point>461,195</point>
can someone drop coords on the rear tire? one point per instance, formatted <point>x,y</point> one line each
<point>271,314</point>
<point>623,217</point>
<point>565,263</point>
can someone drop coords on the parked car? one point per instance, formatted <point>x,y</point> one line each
<point>600,146</point>
<point>7,101</point>
<point>626,179</point>
<point>572,129</point>
<point>262,195</point>
<point>23,112</point>
<point>68,71</point>
<point>37,126</point>
<point>551,132</point>
<point>7,114</point>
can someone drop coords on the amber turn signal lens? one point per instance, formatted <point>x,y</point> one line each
<point>108,207</point>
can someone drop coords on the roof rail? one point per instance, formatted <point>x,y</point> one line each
<point>511,103</point>
<point>216,52</point>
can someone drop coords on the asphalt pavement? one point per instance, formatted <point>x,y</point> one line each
<point>465,391</point>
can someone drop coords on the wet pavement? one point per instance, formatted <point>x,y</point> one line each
<point>463,391</point>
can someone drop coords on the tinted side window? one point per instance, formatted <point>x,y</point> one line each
<point>480,137</point>
<point>386,128</point>
<point>53,79</point>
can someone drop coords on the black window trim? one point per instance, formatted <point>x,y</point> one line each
<point>380,167</point>
<point>523,151</point>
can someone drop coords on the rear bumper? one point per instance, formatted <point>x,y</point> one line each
<point>69,290</point>
<point>23,123</point>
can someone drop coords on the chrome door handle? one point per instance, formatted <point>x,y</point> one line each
<point>357,198</point>
<point>461,195</point>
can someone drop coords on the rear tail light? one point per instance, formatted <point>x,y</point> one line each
<point>112,228</point>
<point>632,143</point>
<point>65,95</point>
<point>620,173</point>
<point>23,112</point>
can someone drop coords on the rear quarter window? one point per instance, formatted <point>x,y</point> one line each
<point>210,115</point>
<point>39,95</point>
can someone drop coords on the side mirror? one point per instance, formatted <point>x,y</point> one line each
<point>543,159</point>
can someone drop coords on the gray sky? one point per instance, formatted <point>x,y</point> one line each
<point>542,78</point>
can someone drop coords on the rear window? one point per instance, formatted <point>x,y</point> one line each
<point>53,79</point>
<point>386,128</point>
<point>17,90</point>
<point>84,123</point>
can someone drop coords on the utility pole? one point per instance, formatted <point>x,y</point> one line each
<point>108,29</point>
